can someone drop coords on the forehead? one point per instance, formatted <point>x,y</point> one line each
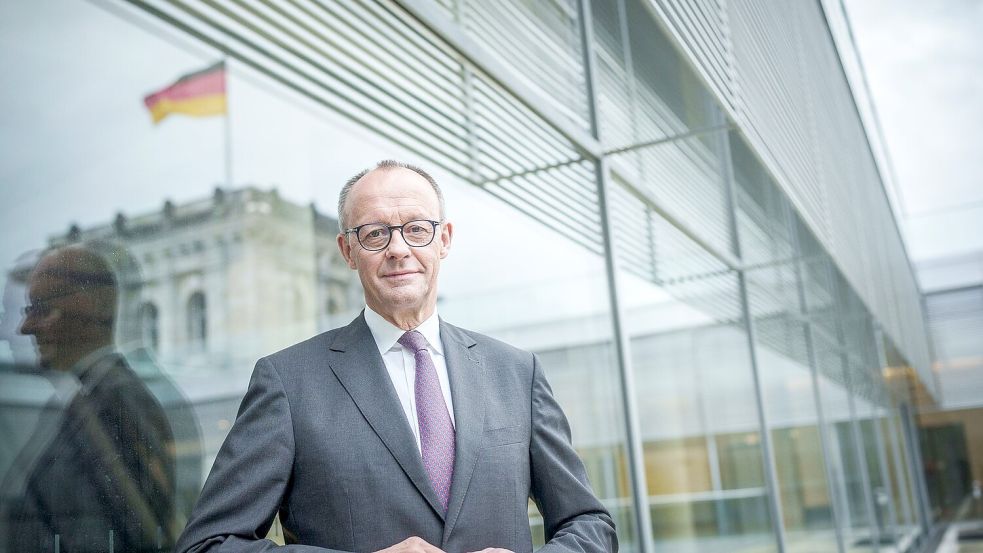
<point>52,274</point>
<point>42,283</point>
<point>389,192</point>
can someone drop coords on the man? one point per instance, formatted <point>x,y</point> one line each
<point>98,472</point>
<point>398,432</point>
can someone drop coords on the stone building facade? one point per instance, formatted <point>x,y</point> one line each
<point>217,282</point>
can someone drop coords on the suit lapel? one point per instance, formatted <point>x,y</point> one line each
<point>362,372</point>
<point>465,371</point>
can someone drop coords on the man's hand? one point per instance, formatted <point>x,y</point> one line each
<point>412,545</point>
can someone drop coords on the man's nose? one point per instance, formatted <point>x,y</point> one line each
<point>28,326</point>
<point>397,245</point>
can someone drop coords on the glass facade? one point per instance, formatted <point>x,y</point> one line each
<point>952,428</point>
<point>725,383</point>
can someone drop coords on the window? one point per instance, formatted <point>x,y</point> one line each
<point>150,326</point>
<point>197,321</point>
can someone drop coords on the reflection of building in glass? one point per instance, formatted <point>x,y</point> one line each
<point>227,279</point>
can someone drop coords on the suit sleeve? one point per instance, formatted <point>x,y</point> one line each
<point>250,476</point>
<point>575,520</point>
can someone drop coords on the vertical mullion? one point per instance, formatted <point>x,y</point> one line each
<point>767,448</point>
<point>814,375</point>
<point>904,477</point>
<point>636,461</point>
<point>858,445</point>
<point>915,454</point>
<point>622,346</point>
<point>908,502</point>
<point>879,439</point>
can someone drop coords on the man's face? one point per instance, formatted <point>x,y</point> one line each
<point>400,281</point>
<point>49,319</point>
<point>66,320</point>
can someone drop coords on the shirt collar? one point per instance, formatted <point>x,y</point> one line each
<point>90,360</point>
<point>387,334</point>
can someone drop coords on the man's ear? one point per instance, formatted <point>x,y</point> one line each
<point>346,250</point>
<point>446,233</point>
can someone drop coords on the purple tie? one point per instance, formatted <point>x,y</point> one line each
<point>436,430</point>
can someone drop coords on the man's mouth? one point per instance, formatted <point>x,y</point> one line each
<point>399,274</point>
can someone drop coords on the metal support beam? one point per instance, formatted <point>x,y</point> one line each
<point>824,439</point>
<point>891,524</point>
<point>917,467</point>
<point>622,346</point>
<point>767,448</point>
<point>622,343</point>
<point>881,448</point>
<point>858,445</point>
<point>906,484</point>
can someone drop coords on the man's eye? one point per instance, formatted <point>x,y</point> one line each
<point>417,229</point>
<point>374,234</point>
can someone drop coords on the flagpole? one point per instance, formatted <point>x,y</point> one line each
<point>228,126</point>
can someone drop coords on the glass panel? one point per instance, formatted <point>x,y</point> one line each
<point>901,477</point>
<point>842,453</point>
<point>901,515</point>
<point>776,301</point>
<point>859,533</point>
<point>562,316</point>
<point>805,498</point>
<point>690,357</point>
<point>645,88</point>
<point>884,523</point>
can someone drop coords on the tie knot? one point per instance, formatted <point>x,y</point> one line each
<point>413,340</point>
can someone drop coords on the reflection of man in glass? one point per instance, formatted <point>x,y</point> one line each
<point>98,474</point>
<point>398,432</point>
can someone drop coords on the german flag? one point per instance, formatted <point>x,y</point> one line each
<point>197,94</point>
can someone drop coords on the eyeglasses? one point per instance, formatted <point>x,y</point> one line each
<point>40,308</point>
<point>376,236</point>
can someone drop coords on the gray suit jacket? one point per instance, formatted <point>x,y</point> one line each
<point>321,438</point>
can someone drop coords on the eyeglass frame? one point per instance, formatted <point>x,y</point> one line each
<point>41,307</point>
<point>391,228</point>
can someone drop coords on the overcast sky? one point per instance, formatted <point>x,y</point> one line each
<point>924,66</point>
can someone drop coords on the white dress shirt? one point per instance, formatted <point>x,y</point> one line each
<point>401,364</point>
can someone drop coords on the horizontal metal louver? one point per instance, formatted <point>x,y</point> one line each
<point>377,65</point>
<point>777,71</point>
<point>650,247</point>
<point>541,42</point>
<point>531,166</point>
<point>829,360</point>
<point>343,55</point>
<point>703,28</point>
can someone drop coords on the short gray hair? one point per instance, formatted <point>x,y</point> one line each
<point>386,164</point>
